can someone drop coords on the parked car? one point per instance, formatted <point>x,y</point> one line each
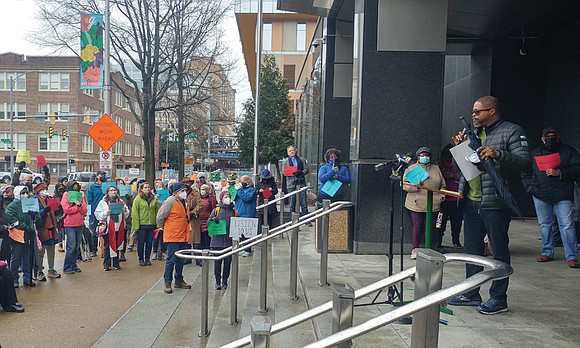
<point>82,176</point>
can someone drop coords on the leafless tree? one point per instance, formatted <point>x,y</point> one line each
<point>157,37</point>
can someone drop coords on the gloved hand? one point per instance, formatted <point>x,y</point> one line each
<point>47,210</point>
<point>336,169</point>
<point>335,176</point>
<point>298,173</point>
<point>216,220</point>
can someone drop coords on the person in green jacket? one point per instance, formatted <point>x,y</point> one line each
<point>21,246</point>
<point>143,215</point>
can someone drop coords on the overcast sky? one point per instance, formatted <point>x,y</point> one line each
<point>18,18</point>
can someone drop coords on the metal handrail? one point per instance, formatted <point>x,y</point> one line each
<point>256,240</point>
<point>498,270</point>
<point>276,200</point>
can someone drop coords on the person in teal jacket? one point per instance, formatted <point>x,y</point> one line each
<point>143,215</point>
<point>21,249</point>
<point>245,203</point>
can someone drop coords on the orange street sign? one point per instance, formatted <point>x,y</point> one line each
<point>105,132</point>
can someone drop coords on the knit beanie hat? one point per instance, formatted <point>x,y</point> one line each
<point>222,194</point>
<point>40,187</point>
<point>421,150</point>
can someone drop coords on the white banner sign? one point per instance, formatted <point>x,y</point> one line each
<point>106,160</point>
<point>248,227</point>
<point>134,171</point>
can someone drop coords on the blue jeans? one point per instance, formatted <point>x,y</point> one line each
<point>564,211</point>
<point>73,243</point>
<point>173,262</point>
<point>20,255</point>
<point>145,242</point>
<point>158,244</point>
<point>303,202</point>
<point>494,223</point>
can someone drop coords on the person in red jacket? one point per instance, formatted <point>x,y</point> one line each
<point>74,210</point>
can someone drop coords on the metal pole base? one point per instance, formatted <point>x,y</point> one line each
<point>200,334</point>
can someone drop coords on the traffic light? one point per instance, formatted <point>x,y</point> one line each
<point>52,118</point>
<point>50,132</point>
<point>64,134</point>
<point>71,161</point>
<point>87,119</point>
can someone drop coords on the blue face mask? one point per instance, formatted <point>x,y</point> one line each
<point>424,159</point>
<point>331,161</point>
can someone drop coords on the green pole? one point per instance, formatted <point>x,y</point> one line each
<point>428,219</point>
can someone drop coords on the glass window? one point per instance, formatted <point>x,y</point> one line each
<point>87,144</point>
<point>19,110</point>
<point>54,144</point>
<point>18,81</point>
<point>137,129</point>
<point>137,150</point>
<point>127,149</point>
<point>128,126</point>
<point>89,92</point>
<point>267,37</point>
<point>19,141</point>
<point>301,37</point>
<point>118,99</point>
<point>53,81</point>
<point>57,108</point>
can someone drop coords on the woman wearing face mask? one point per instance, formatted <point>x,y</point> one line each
<point>115,237</point>
<point>143,215</point>
<point>416,201</point>
<point>7,198</point>
<point>21,249</point>
<point>47,233</point>
<point>208,203</point>
<point>332,170</point>
<point>74,210</point>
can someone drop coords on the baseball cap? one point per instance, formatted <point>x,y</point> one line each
<point>550,130</point>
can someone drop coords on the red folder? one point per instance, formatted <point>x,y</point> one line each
<point>267,193</point>
<point>552,161</point>
<point>289,170</point>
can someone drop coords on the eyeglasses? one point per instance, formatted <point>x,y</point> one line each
<point>478,111</point>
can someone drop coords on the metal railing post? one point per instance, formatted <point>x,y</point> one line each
<point>282,208</point>
<point>428,279</point>
<point>265,212</point>
<point>342,310</point>
<point>294,259</point>
<point>264,272</point>
<point>234,284</point>
<point>261,327</point>
<point>324,220</point>
<point>203,331</point>
<point>297,200</point>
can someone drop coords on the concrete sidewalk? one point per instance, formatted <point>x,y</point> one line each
<point>544,302</point>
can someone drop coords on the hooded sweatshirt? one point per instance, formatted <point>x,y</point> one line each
<point>74,215</point>
<point>14,213</point>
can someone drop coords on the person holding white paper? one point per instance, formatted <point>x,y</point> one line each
<point>112,211</point>
<point>329,174</point>
<point>416,201</point>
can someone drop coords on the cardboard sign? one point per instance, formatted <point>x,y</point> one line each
<point>116,208</point>
<point>214,229</point>
<point>74,196</point>
<point>417,175</point>
<point>53,203</point>
<point>105,185</point>
<point>41,161</point>
<point>233,192</point>
<point>124,190</point>
<point>29,204</point>
<point>331,187</point>
<point>23,155</point>
<point>267,193</point>
<point>247,227</point>
<point>289,170</point>
<point>546,162</point>
<point>163,194</point>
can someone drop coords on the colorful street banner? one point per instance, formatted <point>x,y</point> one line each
<point>92,51</point>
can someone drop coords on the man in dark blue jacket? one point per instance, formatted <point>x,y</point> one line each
<point>94,195</point>
<point>555,166</point>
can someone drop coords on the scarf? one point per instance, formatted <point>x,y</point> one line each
<point>116,237</point>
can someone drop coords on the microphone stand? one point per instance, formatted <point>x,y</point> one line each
<point>393,293</point>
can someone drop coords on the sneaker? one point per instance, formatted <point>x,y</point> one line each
<point>77,270</point>
<point>141,263</point>
<point>413,254</point>
<point>30,283</point>
<point>60,248</point>
<point>116,268</point>
<point>41,277</point>
<point>16,285</point>
<point>182,285</point>
<point>53,274</point>
<point>69,271</point>
<point>122,257</point>
<point>218,286</point>
<point>106,269</point>
<point>462,300</point>
<point>129,249</point>
<point>492,306</point>
<point>147,263</point>
<point>93,254</point>
<point>224,286</point>
<point>167,288</point>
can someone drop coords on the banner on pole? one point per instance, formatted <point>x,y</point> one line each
<point>92,51</point>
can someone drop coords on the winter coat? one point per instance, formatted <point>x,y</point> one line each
<point>195,206</point>
<point>225,214</point>
<point>552,188</point>
<point>290,182</point>
<point>510,139</point>
<point>326,173</point>
<point>74,215</point>
<point>417,198</point>
<point>246,201</point>
<point>94,194</point>
<point>14,213</point>
<point>173,217</point>
<point>208,204</point>
<point>144,212</point>
<point>264,184</point>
